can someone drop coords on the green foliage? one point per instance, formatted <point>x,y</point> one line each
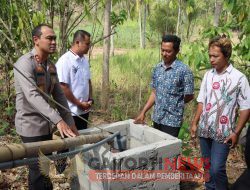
<point>184,132</point>
<point>239,19</point>
<point>186,152</point>
<point>118,19</point>
<point>191,10</point>
<point>164,18</point>
<point>184,135</point>
<point>4,127</point>
<point>243,47</point>
<point>236,18</point>
<point>215,31</point>
<point>196,56</point>
<point>7,106</point>
<point>16,22</point>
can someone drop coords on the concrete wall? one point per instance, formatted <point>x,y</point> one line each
<point>146,150</point>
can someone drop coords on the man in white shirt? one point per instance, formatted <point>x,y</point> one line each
<point>224,92</point>
<point>74,77</point>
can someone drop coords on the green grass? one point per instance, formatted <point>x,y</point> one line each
<point>127,35</point>
<point>130,76</point>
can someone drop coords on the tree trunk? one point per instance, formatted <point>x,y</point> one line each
<point>106,50</point>
<point>179,18</point>
<point>112,45</point>
<point>52,12</point>
<point>140,23</point>
<point>167,7</point>
<point>217,12</point>
<point>188,29</point>
<point>144,25</point>
<point>39,5</point>
<point>63,28</point>
<point>128,8</point>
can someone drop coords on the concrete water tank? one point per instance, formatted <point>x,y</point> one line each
<point>138,159</point>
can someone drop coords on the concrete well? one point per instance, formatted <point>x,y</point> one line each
<point>145,151</point>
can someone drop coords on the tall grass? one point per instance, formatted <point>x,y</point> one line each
<point>130,76</point>
<point>127,35</point>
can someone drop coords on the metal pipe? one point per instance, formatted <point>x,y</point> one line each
<point>27,161</point>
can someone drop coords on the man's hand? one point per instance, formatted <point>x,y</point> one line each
<point>90,102</point>
<point>85,106</point>
<point>64,129</point>
<point>74,129</point>
<point>194,125</point>
<point>193,133</point>
<point>193,130</point>
<point>140,119</point>
<point>232,140</point>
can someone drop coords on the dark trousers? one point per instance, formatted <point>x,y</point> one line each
<point>81,124</point>
<point>243,182</point>
<point>247,150</point>
<point>36,180</point>
<point>174,131</point>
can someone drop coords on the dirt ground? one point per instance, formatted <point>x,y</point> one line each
<point>16,178</point>
<point>98,51</point>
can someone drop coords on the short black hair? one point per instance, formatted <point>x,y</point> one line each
<point>174,39</point>
<point>80,35</point>
<point>37,30</point>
